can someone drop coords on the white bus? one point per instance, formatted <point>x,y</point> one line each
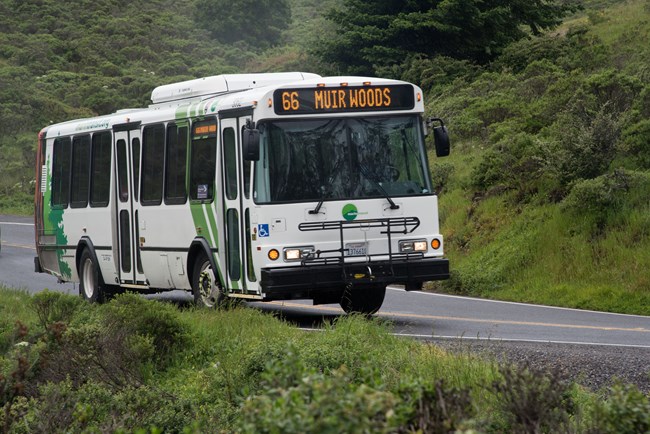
<point>255,186</point>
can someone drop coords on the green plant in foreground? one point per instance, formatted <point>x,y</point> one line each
<point>96,369</point>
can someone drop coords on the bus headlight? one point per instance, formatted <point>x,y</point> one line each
<point>297,253</point>
<point>409,246</point>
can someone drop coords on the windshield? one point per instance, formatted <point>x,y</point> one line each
<point>329,159</point>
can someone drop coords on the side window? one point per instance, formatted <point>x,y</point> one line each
<point>230,157</point>
<point>135,150</point>
<point>80,171</point>
<point>176,161</point>
<point>247,165</point>
<point>61,172</point>
<point>122,175</point>
<point>203,160</point>
<point>100,170</point>
<point>153,159</point>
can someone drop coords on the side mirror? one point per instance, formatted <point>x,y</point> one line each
<point>441,138</point>
<point>250,142</point>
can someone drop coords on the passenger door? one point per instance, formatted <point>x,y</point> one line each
<point>236,186</point>
<point>126,231</point>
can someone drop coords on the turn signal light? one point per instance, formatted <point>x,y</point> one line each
<point>274,255</point>
<point>435,244</point>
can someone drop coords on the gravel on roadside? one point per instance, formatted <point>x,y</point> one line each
<point>593,366</point>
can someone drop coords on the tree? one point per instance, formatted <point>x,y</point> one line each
<point>259,23</point>
<point>379,33</point>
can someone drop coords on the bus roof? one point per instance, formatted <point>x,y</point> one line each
<point>210,95</point>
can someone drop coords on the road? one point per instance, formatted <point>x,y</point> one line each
<point>17,258</point>
<point>414,314</point>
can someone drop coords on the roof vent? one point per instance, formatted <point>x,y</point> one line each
<point>219,84</point>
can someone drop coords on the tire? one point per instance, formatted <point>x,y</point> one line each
<point>91,284</point>
<point>206,287</point>
<point>366,300</point>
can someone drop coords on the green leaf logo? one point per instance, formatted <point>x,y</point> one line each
<point>350,212</point>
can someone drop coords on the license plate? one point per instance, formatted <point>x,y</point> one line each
<point>356,249</point>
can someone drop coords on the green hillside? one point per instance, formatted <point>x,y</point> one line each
<point>545,196</point>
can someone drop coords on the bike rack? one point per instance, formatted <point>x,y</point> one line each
<point>355,271</point>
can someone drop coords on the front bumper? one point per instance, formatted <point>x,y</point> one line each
<point>316,281</point>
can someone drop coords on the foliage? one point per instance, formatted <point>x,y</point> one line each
<point>244,371</point>
<point>601,197</point>
<point>553,132</point>
<point>319,403</point>
<point>383,33</point>
<point>257,23</point>
<point>626,411</point>
<point>62,60</point>
<point>534,401</point>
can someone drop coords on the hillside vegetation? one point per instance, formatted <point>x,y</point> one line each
<point>135,365</point>
<point>545,195</point>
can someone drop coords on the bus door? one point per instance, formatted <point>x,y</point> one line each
<point>238,205</point>
<point>125,224</point>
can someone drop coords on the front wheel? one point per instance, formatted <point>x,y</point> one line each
<point>365,299</point>
<point>206,287</point>
<point>91,284</point>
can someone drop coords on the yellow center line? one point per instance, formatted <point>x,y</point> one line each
<point>473,320</point>
<point>21,246</point>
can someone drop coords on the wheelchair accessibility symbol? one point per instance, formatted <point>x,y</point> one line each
<point>263,230</point>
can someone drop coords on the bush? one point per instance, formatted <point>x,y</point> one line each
<point>626,411</point>
<point>435,408</point>
<point>151,321</point>
<point>319,403</point>
<point>533,401</point>
<point>440,176</point>
<point>52,307</point>
<point>634,142</point>
<point>597,199</point>
<point>588,143</point>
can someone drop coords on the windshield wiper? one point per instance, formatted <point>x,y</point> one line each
<point>320,203</point>
<point>325,189</point>
<point>364,172</point>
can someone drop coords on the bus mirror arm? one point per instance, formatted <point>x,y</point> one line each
<point>251,142</point>
<point>440,137</point>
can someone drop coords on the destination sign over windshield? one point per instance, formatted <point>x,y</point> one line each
<point>343,99</point>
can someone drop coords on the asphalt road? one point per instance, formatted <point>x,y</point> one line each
<point>414,314</point>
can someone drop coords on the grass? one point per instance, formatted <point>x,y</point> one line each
<point>521,223</point>
<point>545,255</point>
<point>136,364</point>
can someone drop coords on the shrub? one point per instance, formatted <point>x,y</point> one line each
<point>614,89</point>
<point>440,175</point>
<point>158,323</point>
<point>598,198</point>
<point>626,411</point>
<point>435,408</point>
<point>533,401</point>
<point>320,403</point>
<point>588,142</point>
<point>634,142</point>
<point>51,307</point>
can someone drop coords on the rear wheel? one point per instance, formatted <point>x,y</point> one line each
<point>366,299</point>
<point>91,284</point>
<point>206,287</point>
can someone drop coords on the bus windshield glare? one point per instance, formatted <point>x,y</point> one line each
<point>344,158</point>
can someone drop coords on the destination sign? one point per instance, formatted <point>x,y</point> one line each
<point>343,99</point>
<point>204,128</point>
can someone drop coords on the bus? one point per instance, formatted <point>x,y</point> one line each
<point>260,187</point>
